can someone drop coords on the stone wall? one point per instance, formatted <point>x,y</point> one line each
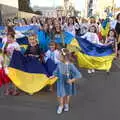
<point>7,12</point>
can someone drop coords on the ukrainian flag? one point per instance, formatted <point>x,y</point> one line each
<point>23,42</point>
<point>1,44</point>
<point>28,74</point>
<point>105,27</point>
<point>43,39</point>
<point>94,56</point>
<point>69,40</point>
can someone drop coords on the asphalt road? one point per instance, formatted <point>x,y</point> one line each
<point>98,98</point>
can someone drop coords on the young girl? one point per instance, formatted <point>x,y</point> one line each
<point>9,48</point>
<point>67,74</point>
<point>83,26</point>
<point>112,40</point>
<point>33,48</point>
<point>53,53</point>
<point>92,37</point>
<point>71,27</point>
<point>4,80</point>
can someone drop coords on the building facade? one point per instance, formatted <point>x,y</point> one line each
<point>69,6</point>
<point>46,11</point>
<point>100,8</point>
<point>50,11</point>
<point>8,8</point>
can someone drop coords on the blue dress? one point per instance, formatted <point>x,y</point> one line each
<point>64,72</point>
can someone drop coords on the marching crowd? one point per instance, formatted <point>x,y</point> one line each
<point>101,32</point>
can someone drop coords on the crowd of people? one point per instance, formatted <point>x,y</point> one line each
<point>100,31</point>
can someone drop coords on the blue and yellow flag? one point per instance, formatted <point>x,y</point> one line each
<point>105,27</point>
<point>91,49</point>
<point>28,73</point>
<point>68,39</point>
<point>94,56</point>
<point>43,39</point>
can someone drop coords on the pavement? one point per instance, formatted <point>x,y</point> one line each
<point>98,98</point>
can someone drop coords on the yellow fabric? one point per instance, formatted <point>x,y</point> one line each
<point>73,46</point>
<point>75,43</point>
<point>91,62</point>
<point>52,81</point>
<point>28,82</point>
<point>24,46</point>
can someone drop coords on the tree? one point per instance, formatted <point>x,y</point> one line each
<point>24,5</point>
<point>38,12</point>
<point>77,13</point>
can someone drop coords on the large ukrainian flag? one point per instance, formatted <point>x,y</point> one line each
<point>28,74</point>
<point>89,55</point>
<point>94,56</point>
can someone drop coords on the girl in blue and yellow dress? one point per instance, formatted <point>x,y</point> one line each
<point>67,74</point>
<point>112,40</point>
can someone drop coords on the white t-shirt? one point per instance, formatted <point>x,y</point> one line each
<point>113,24</point>
<point>54,55</point>
<point>71,29</point>
<point>92,37</point>
<point>12,46</point>
<point>83,28</point>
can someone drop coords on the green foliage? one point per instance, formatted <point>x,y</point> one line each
<point>24,5</point>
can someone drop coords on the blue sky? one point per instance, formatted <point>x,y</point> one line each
<point>79,4</point>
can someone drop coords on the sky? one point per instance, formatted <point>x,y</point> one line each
<point>79,4</point>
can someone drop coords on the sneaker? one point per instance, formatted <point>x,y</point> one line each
<point>89,71</point>
<point>93,70</point>
<point>59,110</point>
<point>66,108</point>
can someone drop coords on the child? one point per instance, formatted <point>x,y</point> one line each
<point>53,53</point>
<point>33,48</point>
<point>9,48</point>
<point>4,80</point>
<point>71,28</point>
<point>67,74</point>
<point>91,35</point>
<point>112,40</point>
<point>93,38</point>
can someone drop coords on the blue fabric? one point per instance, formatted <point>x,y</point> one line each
<point>2,30</point>
<point>1,44</point>
<point>104,23</point>
<point>26,64</point>
<point>94,49</point>
<point>31,64</point>
<point>50,66</point>
<point>44,40</point>
<point>22,41</point>
<point>23,29</point>
<point>27,30</point>
<point>67,38</point>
